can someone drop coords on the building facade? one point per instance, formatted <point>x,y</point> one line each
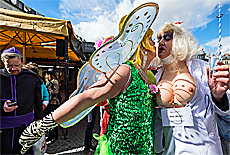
<point>226,59</point>
<point>17,5</point>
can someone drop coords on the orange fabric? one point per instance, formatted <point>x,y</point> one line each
<point>104,123</point>
<point>102,103</point>
<point>105,120</point>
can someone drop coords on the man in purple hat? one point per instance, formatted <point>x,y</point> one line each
<point>20,100</point>
<point>12,60</point>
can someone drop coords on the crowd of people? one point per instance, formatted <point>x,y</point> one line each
<point>184,111</point>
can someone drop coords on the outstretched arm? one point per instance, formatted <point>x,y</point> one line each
<point>219,83</point>
<point>107,87</point>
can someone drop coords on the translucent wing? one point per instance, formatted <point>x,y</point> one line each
<point>122,47</point>
<point>87,76</point>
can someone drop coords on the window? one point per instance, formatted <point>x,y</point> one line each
<point>14,2</point>
<point>32,12</point>
<point>26,9</point>
<point>20,5</point>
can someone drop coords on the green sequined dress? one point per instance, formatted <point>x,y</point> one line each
<point>131,120</point>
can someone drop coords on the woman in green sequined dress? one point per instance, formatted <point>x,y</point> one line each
<point>131,121</point>
<point>132,107</point>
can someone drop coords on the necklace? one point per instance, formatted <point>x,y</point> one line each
<point>144,76</point>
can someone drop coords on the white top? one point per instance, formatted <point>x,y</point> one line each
<point>202,138</point>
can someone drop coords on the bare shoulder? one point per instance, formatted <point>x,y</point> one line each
<point>119,73</point>
<point>113,81</point>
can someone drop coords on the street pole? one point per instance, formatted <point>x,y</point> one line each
<point>219,47</point>
<point>66,59</point>
<point>24,47</point>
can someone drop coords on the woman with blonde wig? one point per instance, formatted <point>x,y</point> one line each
<point>189,97</point>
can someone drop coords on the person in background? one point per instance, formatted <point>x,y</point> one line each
<point>72,85</point>
<point>187,90</point>
<point>62,88</point>
<point>44,92</point>
<point>61,84</point>
<point>33,67</point>
<point>159,135</point>
<point>223,123</point>
<point>89,131</point>
<point>23,88</point>
<point>52,85</point>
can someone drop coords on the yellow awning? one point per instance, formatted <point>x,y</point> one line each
<point>33,34</point>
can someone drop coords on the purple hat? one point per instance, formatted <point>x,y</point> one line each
<point>11,50</point>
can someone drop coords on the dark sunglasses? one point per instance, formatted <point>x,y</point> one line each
<point>167,36</point>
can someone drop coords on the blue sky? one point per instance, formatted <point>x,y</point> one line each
<point>94,19</point>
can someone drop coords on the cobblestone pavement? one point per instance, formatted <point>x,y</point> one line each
<point>74,144</point>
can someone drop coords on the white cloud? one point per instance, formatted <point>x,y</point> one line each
<point>214,43</point>
<point>225,42</point>
<point>226,49</point>
<point>97,9</point>
<point>94,19</point>
<point>85,10</point>
<point>103,25</point>
<point>91,31</point>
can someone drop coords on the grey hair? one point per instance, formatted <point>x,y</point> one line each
<point>11,55</point>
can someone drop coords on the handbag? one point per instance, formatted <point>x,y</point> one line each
<point>40,146</point>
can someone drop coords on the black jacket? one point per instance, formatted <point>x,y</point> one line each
<point>28,92</point>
